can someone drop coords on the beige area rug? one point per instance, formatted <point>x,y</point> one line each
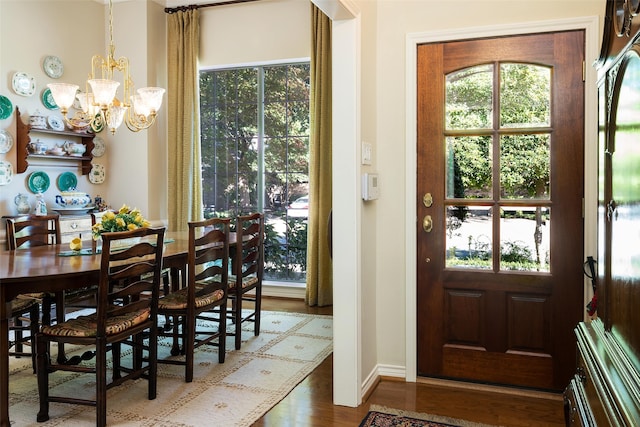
<point>236,393</point>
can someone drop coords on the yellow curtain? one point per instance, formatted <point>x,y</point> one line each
<point>319,266</point>
<point>185,178</point>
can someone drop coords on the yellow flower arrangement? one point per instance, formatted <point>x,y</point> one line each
<point>125,219</point>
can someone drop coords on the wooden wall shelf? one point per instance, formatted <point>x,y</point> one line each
<point>23,139</point>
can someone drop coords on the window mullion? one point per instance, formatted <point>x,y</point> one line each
<point>260,177</point>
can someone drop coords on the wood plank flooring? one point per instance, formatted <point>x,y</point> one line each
<point>311,402</point>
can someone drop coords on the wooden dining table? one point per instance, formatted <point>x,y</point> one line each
<point>51,269</point>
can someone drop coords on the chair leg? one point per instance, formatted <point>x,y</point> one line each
<point>101,383</point>
<point>34,319</point>
<point>60,317</point>
<point>17,335</point>
<point>258,307</point>
<point>222,330</point>
<point>189,336</point>
<point>115,355</point>
<point>237,312</point>
<point>175,347</point>
<point>153,364</point>
<point>42,345</point>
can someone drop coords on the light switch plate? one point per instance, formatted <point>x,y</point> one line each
<point>367,153</point>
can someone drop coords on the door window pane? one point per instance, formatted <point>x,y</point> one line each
<point>524,238</point>
<point>519,82</point>
<point>524,166</point>
<point>469,98</point>
<point>469,167</point>
<point>469,237</point>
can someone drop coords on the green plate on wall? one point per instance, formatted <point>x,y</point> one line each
<point>38,182</point>
<point>48,101</point>
<point>67,181</point>
<point>6,108</point>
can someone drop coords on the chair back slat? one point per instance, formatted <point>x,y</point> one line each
<point>250,231</point>
<point>33,230</point>
<point>136,271</point>
<point>208,263</point>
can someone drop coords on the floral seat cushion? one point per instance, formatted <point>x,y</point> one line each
<point>85,326</point>
<point>178,300</point>
<point>248,281</point>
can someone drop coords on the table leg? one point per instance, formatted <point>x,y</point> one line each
<point>4,360</point>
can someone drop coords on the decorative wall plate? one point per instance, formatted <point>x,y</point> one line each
<point>97,174</point>
<point>67,181</point>
<point>56,123</point>
<point>23,84</point>
<point>48,101</point>
<point>6,141</point>
<point>6,108</point>
<point>97,125</point>
<point>6,173</point>
<point>99,147</point>
<point>38,182</point>
<point>52,65</point>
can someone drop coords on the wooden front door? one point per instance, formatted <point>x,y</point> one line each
<point>500,223</point>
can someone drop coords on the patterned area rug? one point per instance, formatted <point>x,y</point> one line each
<point>236,393</point>
<point>381,416</point>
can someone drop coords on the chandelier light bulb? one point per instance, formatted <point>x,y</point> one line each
<point>140,108</point>
<point>151,97</point>
<point>114,116</point>
<point>63,94</point>
<point>87,104</point>
<point>103,90</point>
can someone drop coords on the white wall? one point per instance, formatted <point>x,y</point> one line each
<point>29,31</point>
<point>254,32</point>
<point>75,31</point>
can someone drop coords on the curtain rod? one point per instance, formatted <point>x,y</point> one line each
<point>199,6</point>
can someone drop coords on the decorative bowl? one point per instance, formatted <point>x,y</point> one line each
<point>73,199</point>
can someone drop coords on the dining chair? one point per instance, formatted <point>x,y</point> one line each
<point>245,283</point>
<point>24,308</point>
<point>202,303</point>
<point>36,230</point>
<point>125,315</point>
<point>23,232</point>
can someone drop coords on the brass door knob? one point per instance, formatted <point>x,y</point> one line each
<point>427,224</point>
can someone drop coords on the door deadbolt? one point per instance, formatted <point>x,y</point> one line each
<point>427,224</point>
<point>427,200</point>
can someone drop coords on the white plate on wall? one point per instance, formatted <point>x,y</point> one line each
<point>23,84</point>
<point>52,65</point>
<point>97,174</point>
<point>99,147</point>
<point>56,123</point>
<point>6,173</point>
<point>6,141</point>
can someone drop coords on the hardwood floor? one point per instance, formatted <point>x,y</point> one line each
<point>311,403</point>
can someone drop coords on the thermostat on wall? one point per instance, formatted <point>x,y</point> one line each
<point>369,186</point>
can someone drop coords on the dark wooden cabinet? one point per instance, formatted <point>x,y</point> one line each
<point>24,132</point>
<point>605,389</point>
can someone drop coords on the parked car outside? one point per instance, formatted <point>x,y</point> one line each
<point>299,208</point>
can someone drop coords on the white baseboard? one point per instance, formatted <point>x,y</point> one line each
<point>276,290</point>
<point>381,371</point>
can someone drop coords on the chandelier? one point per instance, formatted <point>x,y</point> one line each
<point>100,107</point>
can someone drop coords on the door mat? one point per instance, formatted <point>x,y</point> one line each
<point>382,416</point>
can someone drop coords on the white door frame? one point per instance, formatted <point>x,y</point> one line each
<point>587,23</point>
